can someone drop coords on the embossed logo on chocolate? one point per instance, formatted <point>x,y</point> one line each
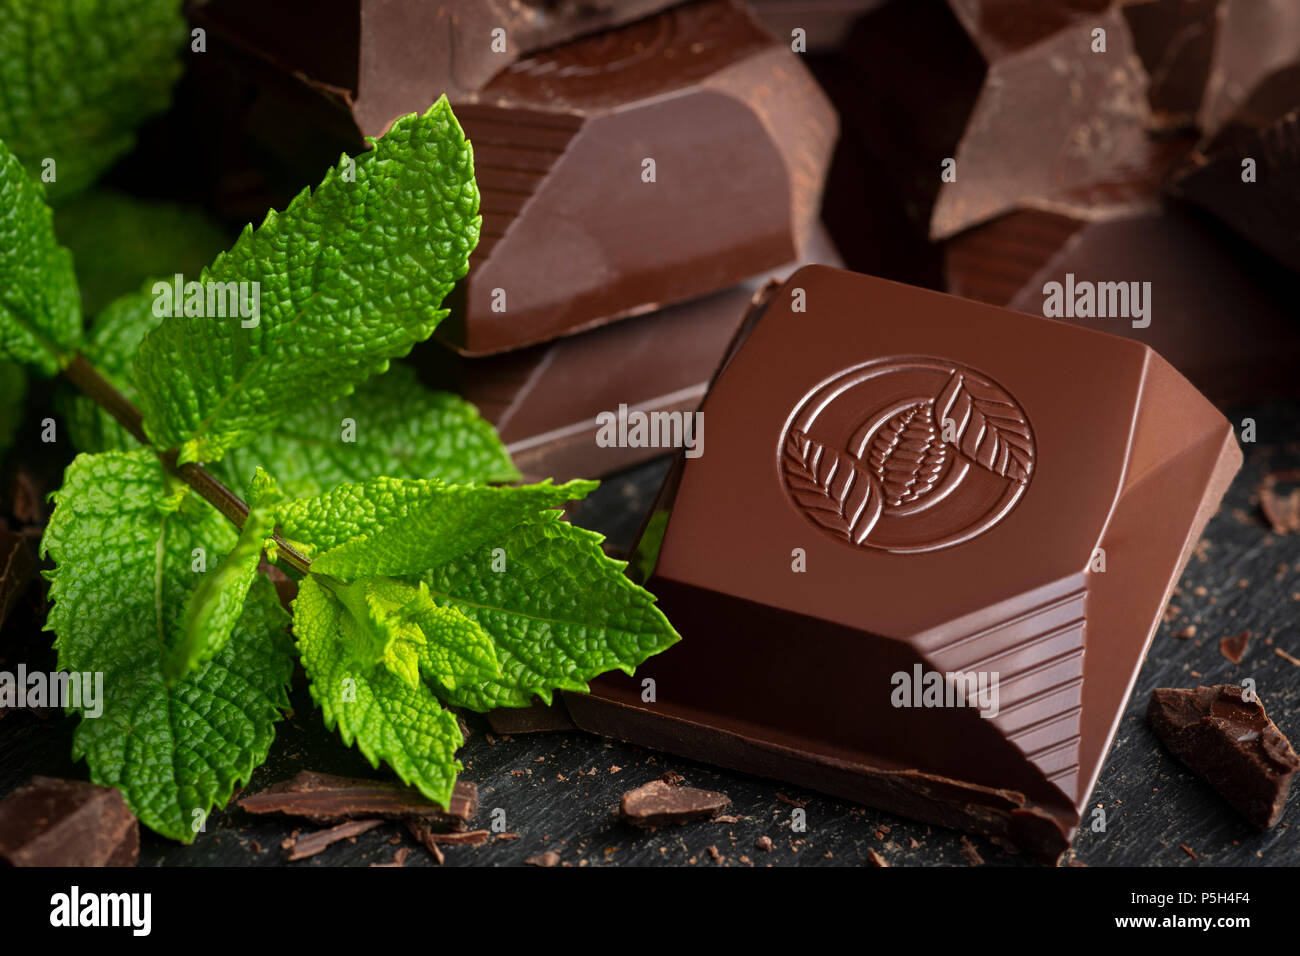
<point>906,454</point>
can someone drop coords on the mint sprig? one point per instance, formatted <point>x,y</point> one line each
<point>418,590</point>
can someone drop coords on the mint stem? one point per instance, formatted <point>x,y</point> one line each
<point>101,391</point>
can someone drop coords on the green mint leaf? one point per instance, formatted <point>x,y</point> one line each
<point>80,75</point>
<point>411,634</point>
<point>350,276</point>
<point>124,544</point>
<point>401,429</point>
<point>217,604</point>
<point>560,613</point>
<point>118,241</point>
<point>384,715</point>
<point>40,317</point>
<point>399,526</point>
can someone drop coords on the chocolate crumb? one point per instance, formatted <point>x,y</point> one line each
<point>1188,850</point>
<point>971,854</point>
<point>549,858</point>
<point>1287,657</point>
<point>792,801</point>
<point>1234,648</point>
<point>876,858</point>
<point>1281,511</point>
<point>764,843</point>
<point>1188,632</point>
<point>672,778</point>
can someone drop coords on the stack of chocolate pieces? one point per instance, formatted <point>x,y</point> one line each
<point>643,167</point>
<point>930,539</point>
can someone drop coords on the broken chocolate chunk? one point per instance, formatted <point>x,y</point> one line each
<point>325,798</point>
<point>1060,122</point>
<point>657,804</point>
<point>1230,742</point>
<point>1254,68</point>
<point>51,822</point>
<point>1253,186</point>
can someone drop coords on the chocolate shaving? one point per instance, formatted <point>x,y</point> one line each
<point>52,822</point>
<point>1234,648</point>
<point>321,840</point>
<point>325,798</point>
<point>422,832</point>
<point>657,804</point>
<point>1231,744</point>
<point>877,859</point>
<point>971,854</point>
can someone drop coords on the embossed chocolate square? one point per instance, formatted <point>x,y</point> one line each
<point>922,556</point>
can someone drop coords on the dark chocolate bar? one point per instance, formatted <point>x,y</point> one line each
<point>51,822</point>
<point>1060,124</point>
<point>922,556</point>
<point>1254,68</point>
<point>547,400</point>
<point>636,168</point>
<point>1253,186</point>
<point>1231,331</point>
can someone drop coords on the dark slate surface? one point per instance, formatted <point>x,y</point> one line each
<point>560,791</point>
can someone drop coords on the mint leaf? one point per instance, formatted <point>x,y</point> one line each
<point>383,714</point>
<point>80,75</point>
<point>40,318</point>
<point>394,526</point>
<point>399,625</point>
<point>402,429</point>
<point>118,241</point>
<point>123,541</point>
<point>217,604</point>
<point>351,275</point>
<point>559,614</point>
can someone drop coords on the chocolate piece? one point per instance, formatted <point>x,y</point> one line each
<point>322,840</point>
<point>536,719</point>
<point>1234,647</point>
<point>325,798</point>
<point>435,46</point>
<point>549,858</point>
<point>468,838</point>
<point>1056,126</point>
<point>901,485</point>
<point>1281,511</point>
<point>1231,744</point>
<point>1232,332</point>
<point>576,232</point>
<point>1255,67</point>
<point>50,822</point>
<point>1261,203</point>
<point>1175,39</point>
<point>423,833</point>
<point>546,400</point>
<point>659,804</point>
